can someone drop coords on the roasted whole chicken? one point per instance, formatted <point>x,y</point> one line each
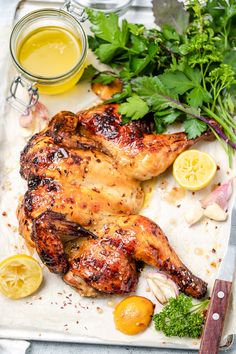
<point>80,212</point>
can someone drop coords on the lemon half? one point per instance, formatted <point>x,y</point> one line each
<point>194,169</point>
<point>20,276</point>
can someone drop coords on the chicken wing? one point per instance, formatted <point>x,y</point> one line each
<point>139,153</point>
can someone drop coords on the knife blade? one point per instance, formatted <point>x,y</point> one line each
<point>220,295</point>
<point>170,12</point>
<point>227,267</point>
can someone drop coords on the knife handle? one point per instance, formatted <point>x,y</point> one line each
<point>216,313</point>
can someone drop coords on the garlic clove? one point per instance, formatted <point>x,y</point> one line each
<point>157,291</point>
<point>162,286</point>
<point>35,119</point>
<point>215,212</point>
<point>219,195</point>
<point>193,215</point>
<point>26,119</point>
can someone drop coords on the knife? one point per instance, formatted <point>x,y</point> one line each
<point>220,296</point>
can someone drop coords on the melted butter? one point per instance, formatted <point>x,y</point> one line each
<point>49,51</point>
<point>198,251</point>
<point>176,194</point>
<point>148,188</point>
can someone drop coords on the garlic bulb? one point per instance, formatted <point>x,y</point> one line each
<point>162,286</point>
<point>215,212</point>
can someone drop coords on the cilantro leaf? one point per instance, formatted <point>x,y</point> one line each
<point>194,127</point>
<point>186,80</point>
<point>139,44</point>
<point>134,108</point>
<point>152,90</point>
<point>106,27</point>
<point>105,78</point>
<point>137,30</point>
<point>121,96</point>
<point>193,74</point>
<point>159,125</point>
<point>94,42</point>
<point>170,117</point>
<point>177,81</point>
<point>89,73</point>
<point>102,25</point>
<point>197,96</point>
<point>121,36</point>
<point>163,118</point>
<point>106,52</point>
<point>181,318</point>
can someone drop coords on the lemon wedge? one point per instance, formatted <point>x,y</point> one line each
<point>20,276</point>
<point>194,169</point>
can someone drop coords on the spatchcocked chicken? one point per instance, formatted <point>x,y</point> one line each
<point>80,212</point>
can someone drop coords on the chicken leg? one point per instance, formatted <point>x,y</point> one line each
<point>106,261</point>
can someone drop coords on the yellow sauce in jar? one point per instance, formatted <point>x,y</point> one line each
<point>49,52</point>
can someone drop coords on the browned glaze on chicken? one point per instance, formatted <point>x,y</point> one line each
<point>68,173</point>
<point>83,173</point>
<point>105,258</point>
<point>138,153</point>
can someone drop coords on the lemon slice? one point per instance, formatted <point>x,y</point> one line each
<point>20,276</point>
<point>194,169</point>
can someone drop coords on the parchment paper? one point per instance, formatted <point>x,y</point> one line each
<point>57,312</point>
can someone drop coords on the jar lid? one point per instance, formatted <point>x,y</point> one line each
<point>119,6</point>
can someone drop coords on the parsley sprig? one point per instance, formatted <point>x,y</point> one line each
<point>181,318</point>
<point>187,76</point>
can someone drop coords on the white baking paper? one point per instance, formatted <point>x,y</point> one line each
<point>56,311</point>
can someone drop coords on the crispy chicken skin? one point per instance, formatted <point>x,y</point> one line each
<point>138,153</point>
<point>84,176</point>
<point>105,258</point>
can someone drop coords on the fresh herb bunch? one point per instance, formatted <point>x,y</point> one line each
<point>181,318</point>
<point>188,77</point>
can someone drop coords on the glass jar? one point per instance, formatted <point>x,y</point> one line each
<point>118,6</point>
<point>44,18</point>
